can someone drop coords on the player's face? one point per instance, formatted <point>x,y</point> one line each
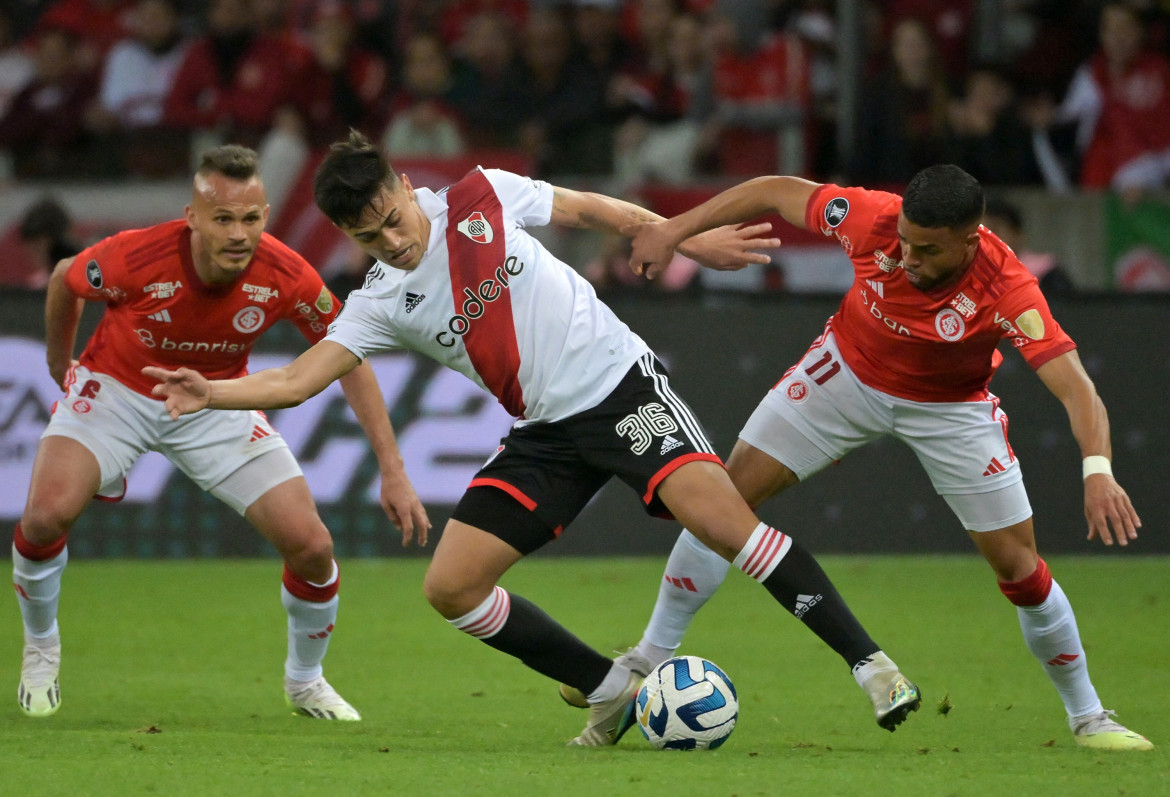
<point>393,228</point>
<point>932,257</point>
<point>226,217</point>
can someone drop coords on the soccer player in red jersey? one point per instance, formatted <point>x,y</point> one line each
<point>195,292</point>
<point>910,354</point>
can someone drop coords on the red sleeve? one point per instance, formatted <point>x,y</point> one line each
<point>854,216</point>
<point>311,306</point>
<point>98,272</point>
<point>1033,330</point>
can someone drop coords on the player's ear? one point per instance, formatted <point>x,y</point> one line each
<point>264,217</point>
<point>190,214</point>
<point>407,186</point>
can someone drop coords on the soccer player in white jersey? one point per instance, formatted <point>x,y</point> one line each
<point>910,354</point>
<point>460,280</point>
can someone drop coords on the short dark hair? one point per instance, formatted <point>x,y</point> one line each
<point>943,196</point>
<point>349,178</point>
<point>230,160</point>
<point>45,218</point>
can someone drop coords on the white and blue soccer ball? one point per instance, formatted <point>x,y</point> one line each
<point>686,703</point>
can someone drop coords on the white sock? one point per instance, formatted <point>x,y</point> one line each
<point>1050,630</point>
<point>876,664</point>
<point>611,685</point>
<point>38,589</point>
<point>310,626</point>
<point>693,573</point>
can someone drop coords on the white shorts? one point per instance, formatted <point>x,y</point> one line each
<point>119,425</point>
<point>820,411</point>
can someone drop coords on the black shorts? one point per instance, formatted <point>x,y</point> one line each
<point>543,474</point>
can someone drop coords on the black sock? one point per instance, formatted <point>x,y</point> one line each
<point>803,588</point>
<point>548,647</point>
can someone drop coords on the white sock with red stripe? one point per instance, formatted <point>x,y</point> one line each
<point>763,551</point>
<point>312,614</point>
<point>693,573</point>
<point>486,620</point>
<point>36,577</point>
<point>1050,631</point>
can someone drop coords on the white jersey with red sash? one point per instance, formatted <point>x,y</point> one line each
<point>489,301</point>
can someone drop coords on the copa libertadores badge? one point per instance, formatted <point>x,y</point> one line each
<point>477,228</point>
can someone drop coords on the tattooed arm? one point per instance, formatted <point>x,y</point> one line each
<point>725,248</point>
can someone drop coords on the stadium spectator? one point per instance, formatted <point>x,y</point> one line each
<point>489,91</point>
<point>43,129</point>
<point>339,84</point>
<point>986,133</point>
<point>17,67</point>
<point>97,24</point>
<point>1005,220</point>
<point>903,120</point>
<point>594,400</point>
<point>909,354</point>
<point>762,99</point>
<point>666,106</point>
<point>597,35</point>
<point>46,235</point>
<point>137,79</point>
<point>1120,103</point>
<point>423,122</point>
<point>193,292</point>
<point>565,129</point>
<point>233,79</point>
<point>457,17</point>
<point>949,23</point>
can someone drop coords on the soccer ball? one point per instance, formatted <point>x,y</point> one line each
<point>686,703</point>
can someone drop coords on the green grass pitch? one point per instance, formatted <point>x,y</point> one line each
<point>171,684</point>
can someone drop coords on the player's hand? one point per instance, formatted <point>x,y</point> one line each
<point>731,248</point>
<point>402,505</point>
<point>184,390</point>
<point>60,371</point>
<point>1109,511</point>
<point>652,248</point>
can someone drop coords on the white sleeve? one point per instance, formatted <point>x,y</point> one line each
<point>362,328</point>
<point>526,200</point>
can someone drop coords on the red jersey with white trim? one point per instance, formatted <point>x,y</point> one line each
<point>158,311</point>
<point>928,345</point>
<point>489,301</point>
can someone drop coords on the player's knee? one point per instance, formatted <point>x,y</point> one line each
<point>449,596</point>
<point>312,560</point>
<point>44,524</point>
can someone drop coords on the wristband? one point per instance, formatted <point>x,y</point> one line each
<point>1096,464</point>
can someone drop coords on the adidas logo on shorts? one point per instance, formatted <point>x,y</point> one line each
<point>669,444</point>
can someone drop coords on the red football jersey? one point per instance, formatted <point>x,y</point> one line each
<point>158,311</point>
<point>928,345</point>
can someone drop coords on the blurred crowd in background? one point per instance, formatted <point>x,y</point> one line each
<point>1062,94</point>
<point>1077,92</point>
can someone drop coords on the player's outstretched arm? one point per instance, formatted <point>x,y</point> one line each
<point>727,249</point>
<point>187,391</point>
<point>654,244</point>
<point>399,500</point>
<point>1107,506</point>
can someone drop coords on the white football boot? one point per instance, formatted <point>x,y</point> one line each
<point>39,692</point>
<point>319,700</point>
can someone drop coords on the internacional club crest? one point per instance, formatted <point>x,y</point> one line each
<point>476,228</point>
